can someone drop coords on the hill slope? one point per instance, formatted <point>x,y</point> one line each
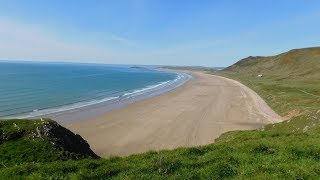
<point>301,63</point>
<point>42,140</point>
<point>279,151</point>
<point>287,150</point>
<point>290,82</point>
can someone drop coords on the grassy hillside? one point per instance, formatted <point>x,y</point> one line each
<point>290,82</point>
<point>283,150</point>
<point>31,141</point>
<point>290,149</point>
<point>297,63</point>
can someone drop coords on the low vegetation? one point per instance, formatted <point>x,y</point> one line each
<point>290,149</point>
<point>42,140</point>
<point>290,82</point>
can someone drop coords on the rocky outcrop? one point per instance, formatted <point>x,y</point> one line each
<point>64,139</point>
<point>48,133</point>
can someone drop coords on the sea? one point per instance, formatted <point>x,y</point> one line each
<point>33,89</point>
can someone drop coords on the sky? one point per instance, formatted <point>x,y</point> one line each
<point>214,33</point>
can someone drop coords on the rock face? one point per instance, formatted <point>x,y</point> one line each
<point>46,136</point>
<point>63,138</point>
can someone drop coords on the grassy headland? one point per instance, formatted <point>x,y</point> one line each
<point>290,82</point>
<point>291,149</point>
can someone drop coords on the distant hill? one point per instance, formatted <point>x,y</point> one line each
<point>294,63</point>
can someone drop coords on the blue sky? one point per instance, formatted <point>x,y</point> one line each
<point>163,32</point>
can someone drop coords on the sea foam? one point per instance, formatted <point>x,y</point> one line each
<point>158,87</point>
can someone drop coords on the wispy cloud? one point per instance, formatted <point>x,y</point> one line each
<point>110,37</point>
<point>20,41</point>
<point>122,40</point>
<point>187,47</point>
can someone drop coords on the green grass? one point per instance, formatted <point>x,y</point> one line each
<point>287,150</point>
<point>297,63</point>
<point>291,80</point>
<point>285,95</point>
<point>32,141</point>
<point>282,150</point>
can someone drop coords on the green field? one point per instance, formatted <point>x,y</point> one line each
<point>291,149</point>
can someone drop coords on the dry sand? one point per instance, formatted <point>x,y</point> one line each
<point>191,115</point>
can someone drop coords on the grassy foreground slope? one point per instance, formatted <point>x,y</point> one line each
<point>273,152</point>
<point>32,141</point>
<point>290,149</point>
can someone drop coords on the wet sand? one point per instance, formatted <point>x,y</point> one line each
<point>194,114</point>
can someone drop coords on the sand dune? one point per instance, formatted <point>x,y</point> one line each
<point>193,114</point>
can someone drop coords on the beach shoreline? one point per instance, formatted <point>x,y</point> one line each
<point>194,114</point>
<point>94,110</point>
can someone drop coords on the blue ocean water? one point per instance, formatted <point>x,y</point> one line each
<point>30,89</point>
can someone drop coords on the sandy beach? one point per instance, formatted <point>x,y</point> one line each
<point>194,114</point>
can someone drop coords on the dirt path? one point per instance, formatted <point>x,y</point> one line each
<point>194,114</point>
